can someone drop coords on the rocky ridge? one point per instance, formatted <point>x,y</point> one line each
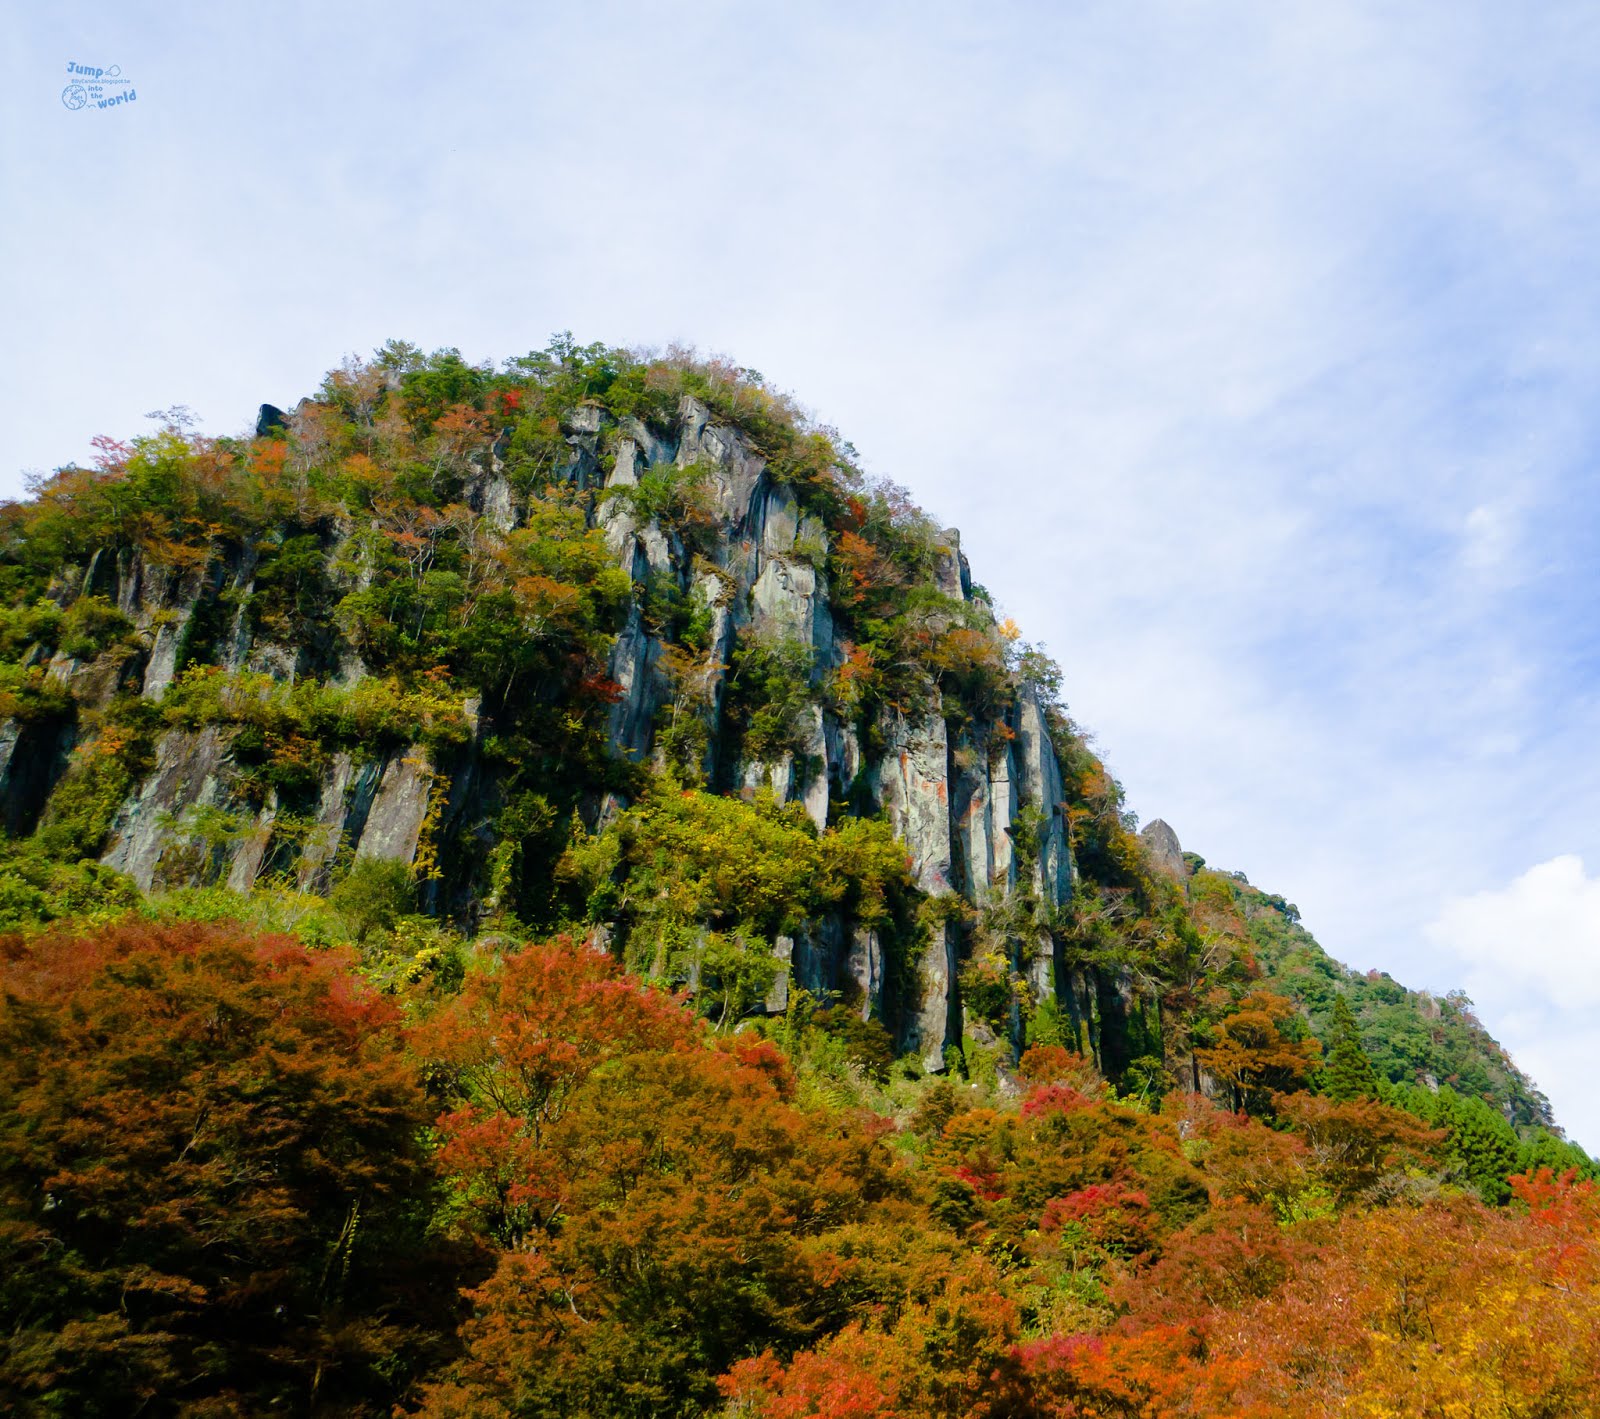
<point>469,620</point>
<point>954,800</point>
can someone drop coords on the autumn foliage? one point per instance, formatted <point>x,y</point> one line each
<point>597,1111</point>
<point>1065,1257</point>
<point>511,1051</point>
<point>1259,1051</point>
<point>236,1180</point>
<point>211,1178</point>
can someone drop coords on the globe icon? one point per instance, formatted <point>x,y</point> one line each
<point>75,96</point>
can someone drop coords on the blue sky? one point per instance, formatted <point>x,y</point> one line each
<point>1251,346</point>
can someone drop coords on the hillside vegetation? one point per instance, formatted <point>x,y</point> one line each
<point>541,890</point>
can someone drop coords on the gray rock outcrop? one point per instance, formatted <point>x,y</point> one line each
<point>978,802</point>
<point>1164,851</point>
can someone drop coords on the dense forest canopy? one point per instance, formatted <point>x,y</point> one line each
<point>540,889</point>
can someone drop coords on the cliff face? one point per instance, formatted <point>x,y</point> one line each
<point>595,644</point>
<point>955,795</point>
<point>765,577</point>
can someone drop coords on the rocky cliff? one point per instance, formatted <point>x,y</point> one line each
<point>469,620</point>
<point>955,789</point>
<point>764,576</point>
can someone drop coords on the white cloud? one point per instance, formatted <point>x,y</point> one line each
<point>1532,948</point>
<point>1539,936</point>
<point>1488,537</point>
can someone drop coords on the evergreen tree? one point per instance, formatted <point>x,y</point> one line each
<point>1549,1150</point>
<point>1484,1145</point>
<point>1348,1074</point>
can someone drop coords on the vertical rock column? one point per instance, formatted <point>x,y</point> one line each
<point>911,783</point>
<point>1039,776</point>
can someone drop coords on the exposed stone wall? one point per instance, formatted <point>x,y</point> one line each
<point>954,798</point>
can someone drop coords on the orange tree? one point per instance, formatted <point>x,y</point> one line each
<point>211,1194</point>
<point>1447,1308</point>
<point>1352,1144</point>
<point>665,1206</point>
<point>949,1354</point>
<point>509,1053</point>
<point>1260,1050</point>
<point>695,1207</point>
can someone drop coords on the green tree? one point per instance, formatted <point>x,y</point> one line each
<point>1549,1150</point>
<point>1482,1145</point>
<point>1485,1145</point>
<point>1348,1074</point>
<point>374,895</point>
